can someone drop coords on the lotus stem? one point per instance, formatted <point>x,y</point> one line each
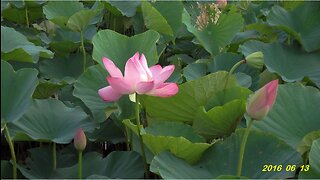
<point>13,155</point>
<point>80,165</point>
<point>27,18</point>
<point>54,156</point>
<point>83,51</point>
<point>242,147</point>
<point>140,137</point>
<point>234,67</point>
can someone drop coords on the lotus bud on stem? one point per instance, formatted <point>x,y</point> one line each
<point>258,106</point>
<point>80,143</point>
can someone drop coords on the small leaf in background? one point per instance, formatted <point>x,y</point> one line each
<point>60,12</point>
<point>18,48</point>
<point>282,59</point>
<point>294,22</point>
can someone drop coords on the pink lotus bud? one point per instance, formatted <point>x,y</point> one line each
<point>80,140</point>
<point>260,103</point>
<point>221,3</point>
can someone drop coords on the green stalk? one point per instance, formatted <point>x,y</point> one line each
<point>140,137</point>
<point>13,155</point>
<point>234,67</point>
<point>83,51</point>
<point>54,156</point>
<point>242,147</point>
<point>80,165</point>
<point>27,18</point>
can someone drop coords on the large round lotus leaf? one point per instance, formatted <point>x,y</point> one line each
<point>15,46</point>
<point>86,88</point>
<point>294,22</point>
<point>294,114</point>
<point>314,164</point>
<point>214,36</point>
<point>119,48</point>
<point>191,96</point>
<point>117,165</point>
<point>51,120</point>
<point>16,90</point>
<point>173,137</point>
<point>59,12</point>
<point>220,120</point>
<point>283,59</point>
<point>222,158</point>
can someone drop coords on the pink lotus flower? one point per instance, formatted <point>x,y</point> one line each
<point>261,101</point>
<point>138,78</point>
<point>80,140</point>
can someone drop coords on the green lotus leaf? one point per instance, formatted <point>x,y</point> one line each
<point>306,143</point>
<point>46,89</point>
<point>215,36</point>
<point>119,48</point>
<point>228,95</point>
<point>59,12</point>
<point>117,165</point>
<point>168,166</point>
<point>51,120</point>
<point>225,61</point>
<point>59,69</point>
<point>282,59</point>
<point>220,120</point>
<point>172,136</point>
<point>313,171</point>
<point>191,96</point>
<point>172,12</point>
<point>294,22</point>
<point>222,158</point>
<point>17,88</point>
<point>86,88</point>
<point>80,20</point>
<point>194,71</point>
<point>16,47</point>
<point>154,20</point>
<point>18,14</point>
<point>127,8</point>
<point>294,114</point>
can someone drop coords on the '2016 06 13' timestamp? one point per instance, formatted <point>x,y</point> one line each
<point>278,168</point>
